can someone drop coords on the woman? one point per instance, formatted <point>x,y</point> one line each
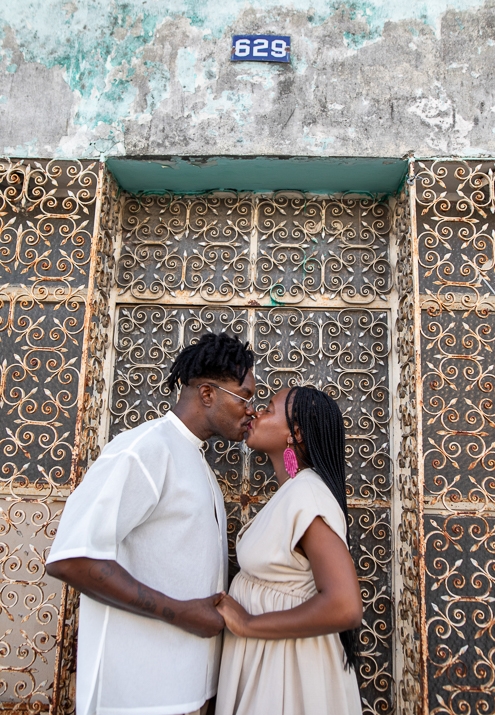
<point>292,609</point>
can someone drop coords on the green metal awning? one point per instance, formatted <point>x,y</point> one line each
<point>326,175</point>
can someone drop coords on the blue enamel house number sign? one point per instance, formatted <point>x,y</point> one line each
<point>260,48</point>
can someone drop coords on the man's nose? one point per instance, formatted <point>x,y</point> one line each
<point>250,409</point>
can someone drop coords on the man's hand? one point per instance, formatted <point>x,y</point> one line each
<point>200,617</point>
<point>107,582</point>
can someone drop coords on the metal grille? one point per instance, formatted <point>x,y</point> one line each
<point>307,281</point>
<point>99,293</point>
<point>47,215</point>
<point>454,234</point>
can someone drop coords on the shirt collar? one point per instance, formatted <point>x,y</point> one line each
<point>183,429</point>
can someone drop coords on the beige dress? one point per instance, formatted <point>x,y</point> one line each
<point>297,676</point>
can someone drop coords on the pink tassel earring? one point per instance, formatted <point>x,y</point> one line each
<point>290,461</point>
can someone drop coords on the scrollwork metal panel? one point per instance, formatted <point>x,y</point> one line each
<point>460,568</point>
<point>29,602</point>
<point>285,248</point>
<point>371,547</point>
<point>458,382</point>
<point>41,343</point>
<point>322,248</point>
<point>455,230</point>
<point>147,341</point>
<point>455,234</point>
<point>186,246</point>
<point>344,352</point>
<point>93,402</point>
<point>408,490</point>
<point>306,280</point>
<point>46,222</point>
<point>47,216</point>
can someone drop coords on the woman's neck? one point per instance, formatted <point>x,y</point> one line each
<point>277,461</point>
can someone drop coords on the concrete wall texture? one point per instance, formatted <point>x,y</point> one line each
<point>86,78</point>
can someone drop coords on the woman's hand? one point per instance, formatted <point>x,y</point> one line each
<point>235,616</point>
<point>337,606</point>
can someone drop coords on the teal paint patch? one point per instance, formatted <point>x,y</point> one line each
<point>318,175</point>
<point>356,40</point>
<point>96,45</point>
<point>11,68</point>
<point>99,43</point>
<point>186,63</point>
<point>98,32</point>
<point>158,77</point>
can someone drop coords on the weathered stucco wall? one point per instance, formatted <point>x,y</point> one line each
<point>150,78</point>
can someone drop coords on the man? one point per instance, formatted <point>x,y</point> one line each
<point>144,539</point>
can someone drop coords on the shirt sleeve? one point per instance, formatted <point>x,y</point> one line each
<point>312,502</point>
<point>116,495</point>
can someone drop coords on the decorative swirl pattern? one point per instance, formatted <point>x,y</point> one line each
<point>46,221</point>
<point>47,216</point>
<point>455,241</point>
<point>458,385</point>
<point>284,248</point>
<point>90,437</point>
<point>455,236</point>
<point>344,352</point>
<point>408,627</point>
<point>305,280</point>
<point>460,567</point>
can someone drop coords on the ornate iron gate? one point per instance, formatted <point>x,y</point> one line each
<point>48,263</point>
<point>307,281</point>
<point>101,290</point>
<point>453,233</point>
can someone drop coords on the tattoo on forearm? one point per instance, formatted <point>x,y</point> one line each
<point>102,571</point>
<point>145,600</point>
<point>168,614</point>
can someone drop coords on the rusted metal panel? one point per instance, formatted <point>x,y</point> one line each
<point>455,226</point>
<point>231,248</point>
<point>47,212</point>
<point>306,280</point>
<point>98,322</point>
<point>420,443</point>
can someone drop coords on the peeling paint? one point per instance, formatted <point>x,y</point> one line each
<point>449,131</point>
<point>149,78</point>
<point>186,65</point>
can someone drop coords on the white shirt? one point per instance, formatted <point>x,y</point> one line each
<point>151,503</point>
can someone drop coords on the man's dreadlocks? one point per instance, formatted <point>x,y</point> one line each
<point>214,357</point>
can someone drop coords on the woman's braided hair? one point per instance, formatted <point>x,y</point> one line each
<point>214,357</point>
<point>323,449</point>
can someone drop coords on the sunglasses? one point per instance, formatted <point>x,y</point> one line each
<point>249,401</point>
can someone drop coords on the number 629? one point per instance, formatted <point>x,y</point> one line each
<point>278,48</point>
